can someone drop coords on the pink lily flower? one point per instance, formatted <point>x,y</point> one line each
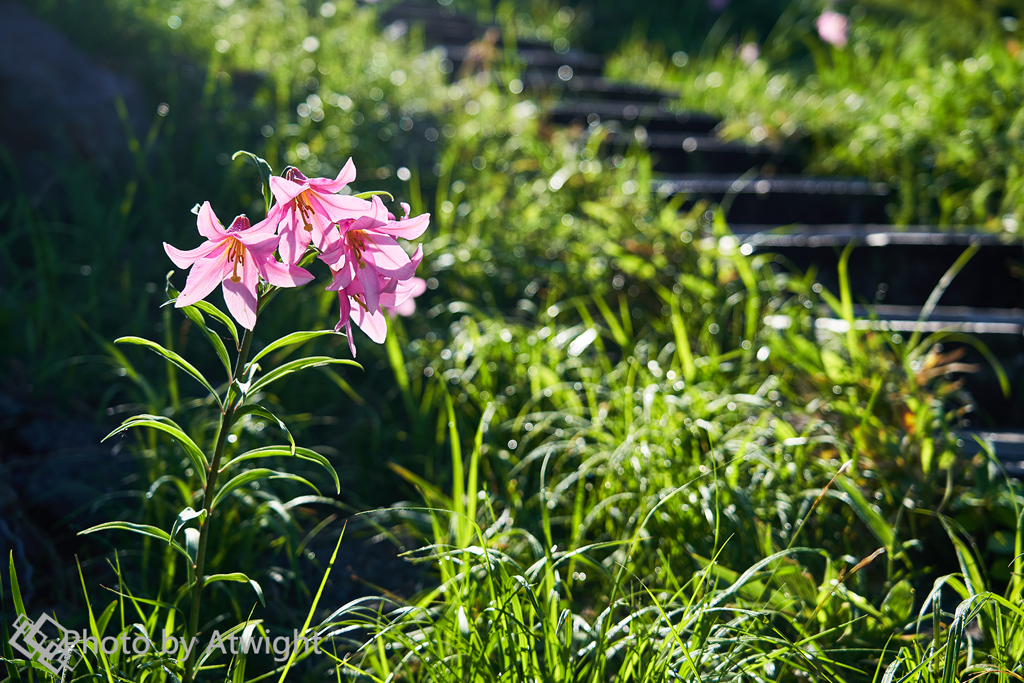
<point>366,251</point>
<point>832,27</point>
<point>234,258</point>
<point>395,295</point>
<point>307,207</point>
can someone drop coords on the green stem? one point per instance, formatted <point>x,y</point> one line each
<point>224,426</point>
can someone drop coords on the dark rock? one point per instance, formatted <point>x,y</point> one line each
<point>55,103</point>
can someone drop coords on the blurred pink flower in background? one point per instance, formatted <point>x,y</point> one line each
<point>717,5</point>
<point>405,297</point>
<point>832,27</point>
<point>749,52</point>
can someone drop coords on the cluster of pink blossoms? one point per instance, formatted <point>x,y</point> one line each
<point>356,238</point>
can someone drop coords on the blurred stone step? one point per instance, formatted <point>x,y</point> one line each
<point>783,199</point>
<point>900,267</point>
<point>653,116</point>
<point>1001,331</point>
<point>1008,447</point>
<point>687,153</point>
<point>560,66</point>
<point>574,87</point>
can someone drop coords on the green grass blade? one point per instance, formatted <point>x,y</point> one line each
<point>312,609</point>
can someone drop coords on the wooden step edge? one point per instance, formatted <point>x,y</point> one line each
<point>967,320</point>
<point>625,110</point>
<point>870,235</point>
<point>782,184</point>
<point>1006,445</point>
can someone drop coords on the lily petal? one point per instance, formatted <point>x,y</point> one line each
<point>294,239</point>
<point>283,274</point>
<point>336,207</point>
<point>408,228</point>
<point>285,190</point>
<point>184,259</point>
<point>387,256</point>
<point>209,226</point>
<point>345,321</point>
<point>204,277</point>
<point>373,323</point>
<point>345,176</point>
<point>241,296</point>
<point>370,282</point>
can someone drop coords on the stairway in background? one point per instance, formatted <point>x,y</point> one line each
<point>772,205</point>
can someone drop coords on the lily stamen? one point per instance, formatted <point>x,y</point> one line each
<point>236,254</point>
<point>305,210</point>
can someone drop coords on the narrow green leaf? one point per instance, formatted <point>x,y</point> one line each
<point>221,317</point>
<point>143,529</point>
<point>238,674</point>
<point>371,193</point>
<point>93,628</point>
<point>312,608</point>
<point>184,517</point>
<point>193,314</point>
<point>192,544</point>
<point>879,527</point>
<point>250,476</point>
<point>265,172</point>
<point>969,564</point>
<point>240,578</point>
<point>257,409</point>
<point>12,670</point>
<point>296,365</point>
<point>105,615</point>
<point>281,451</point>
<point>169,427</point>
<point>293,338</point>
<point>173,358</point>
<point>940,289</point>
<point>343,385</point>
<point>19,606</point>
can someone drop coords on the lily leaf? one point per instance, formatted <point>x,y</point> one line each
<point>193,314</point>
<point>142,529</point>
<point>265,172</point>
<point>257,409</point>
<point>296,365</point>
<point>184,517</point>
<point>221,317</point>
<point>169,427</point>
<point>240,578</point>
<point>281,451</point>
<point>250,476</point>
<point>371,193</point>
<point>293,338</point>
<point>192,544</point>
<point>173,358</point>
